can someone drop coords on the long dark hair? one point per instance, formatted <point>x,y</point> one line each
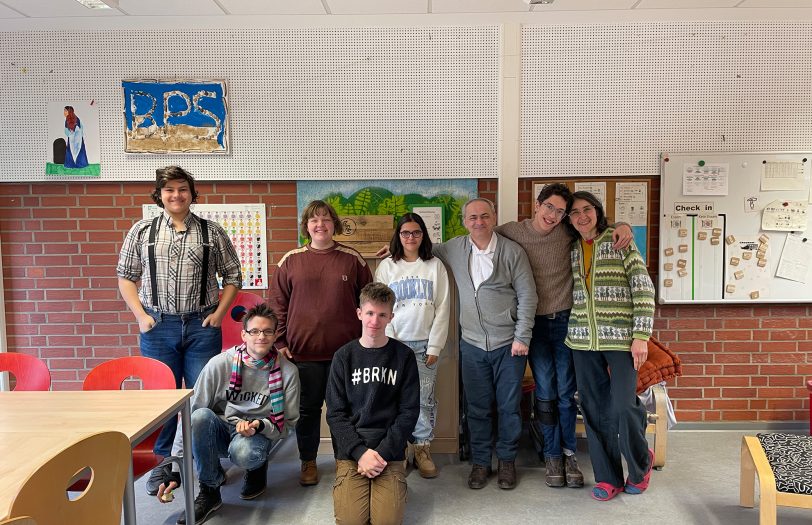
<point>71,120</point>
<point>396,247</point>
<point>593,201</point>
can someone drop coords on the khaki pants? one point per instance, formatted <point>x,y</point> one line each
<point>359,500</point>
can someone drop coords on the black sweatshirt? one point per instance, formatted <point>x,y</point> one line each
<point>373,400</point>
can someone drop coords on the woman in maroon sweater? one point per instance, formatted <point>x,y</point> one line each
<point>315,295</point>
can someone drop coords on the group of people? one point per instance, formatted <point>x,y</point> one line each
<point>574,298</point>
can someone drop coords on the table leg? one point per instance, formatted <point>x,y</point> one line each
<point>188,468</point>
<point>129,496</point>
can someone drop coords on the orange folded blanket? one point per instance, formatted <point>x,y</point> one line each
<point>662,364</point>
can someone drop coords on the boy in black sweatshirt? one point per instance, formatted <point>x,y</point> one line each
<point>373,401</point>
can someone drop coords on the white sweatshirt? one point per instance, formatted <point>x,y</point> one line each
<point>422,305</point>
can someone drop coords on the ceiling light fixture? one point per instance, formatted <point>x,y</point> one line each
<point>539,2</point>
<point>99,4</point>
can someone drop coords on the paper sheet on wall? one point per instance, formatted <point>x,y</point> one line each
<point>784,216</point>
<point>598,189</point>
<point>794,261</point>
<point>631,203</point>
<point>752,277</point>
<point>709,179</point>
<point>782,176</point>
<point>245,226</point>
<point>433,217</point>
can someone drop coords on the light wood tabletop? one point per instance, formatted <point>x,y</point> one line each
<point>132,412</point>
<point>36,425</point>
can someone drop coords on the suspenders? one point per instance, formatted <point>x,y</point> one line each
<point>204,272</point>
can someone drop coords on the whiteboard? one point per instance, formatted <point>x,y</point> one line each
<point>734,228</point>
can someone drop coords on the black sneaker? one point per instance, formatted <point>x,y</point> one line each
<point>207,501</point>
<point>254,482</point>
<point>156,477</point>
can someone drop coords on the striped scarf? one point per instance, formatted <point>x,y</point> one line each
<point>276,393</point>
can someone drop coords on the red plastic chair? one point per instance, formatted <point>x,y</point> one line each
<point>154,375</point>
<point>232,322</point>
<point>31,373</point>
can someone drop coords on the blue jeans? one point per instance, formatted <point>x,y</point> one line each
<point>554,375</point>
<point>489,377</point>
<point>424,430</point>
<point>213,438</point>
<point>185,346</point>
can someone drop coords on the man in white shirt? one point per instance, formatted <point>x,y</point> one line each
<point>497,309</point>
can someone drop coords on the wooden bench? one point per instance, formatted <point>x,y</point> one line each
<point>786,482</point>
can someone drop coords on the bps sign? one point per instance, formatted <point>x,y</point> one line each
<point>175,116</point>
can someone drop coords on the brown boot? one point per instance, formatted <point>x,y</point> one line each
<point>409,455</point>
<point>575,478</point>
<point>479,476</point>
<point>555,472</point>
<point>506,476</point>
<point>422,459</point>
<point>310,474</point>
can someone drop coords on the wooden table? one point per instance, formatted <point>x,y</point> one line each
<point>36,425</point>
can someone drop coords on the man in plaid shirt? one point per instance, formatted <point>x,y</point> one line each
<point>177,257</point>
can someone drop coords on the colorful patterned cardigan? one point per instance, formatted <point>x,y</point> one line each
<point>621,305</point>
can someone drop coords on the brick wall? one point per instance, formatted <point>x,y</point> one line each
<point>60,246</point>
<point>61,241</point>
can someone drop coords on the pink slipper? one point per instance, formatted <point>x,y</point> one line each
<point>604,492</point>
<point>639,488</point>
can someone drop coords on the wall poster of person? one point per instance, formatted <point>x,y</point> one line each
<point>73,138</point>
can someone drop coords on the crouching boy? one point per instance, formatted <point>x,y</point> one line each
<point>373,401</point>
<point>245,399</point>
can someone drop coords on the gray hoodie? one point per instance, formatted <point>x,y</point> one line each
<point>503,308</point>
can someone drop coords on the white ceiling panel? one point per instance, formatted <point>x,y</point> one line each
<point>377,7</point>
<point>686,4</point>
<point>6,12</point>
<point>478,6</point>
<point>584,5</point>
<point>56,8</point>
<point>776,3</point>
<point>273,7</point>
<point>170,7</point>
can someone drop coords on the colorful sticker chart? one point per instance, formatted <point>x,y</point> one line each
<point>245,225</point>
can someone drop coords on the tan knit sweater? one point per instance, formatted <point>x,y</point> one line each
<point>549,255</point>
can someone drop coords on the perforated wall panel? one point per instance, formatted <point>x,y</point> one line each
<point>337,103</point>
<point>607,99</point>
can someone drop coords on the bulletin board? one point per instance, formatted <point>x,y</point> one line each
<point>734,227</point>
<point>624,199</point>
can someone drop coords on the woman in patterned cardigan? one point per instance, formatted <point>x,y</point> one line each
<point>609,327</point>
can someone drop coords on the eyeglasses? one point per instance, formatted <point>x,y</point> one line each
<point>254,332</point>
<point>574,214</point>
<point>416,234</point>
<point>552,210</point>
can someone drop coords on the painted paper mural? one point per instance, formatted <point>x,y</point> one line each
<point>73,138</point>
<point>175,116</point>
<point>393,197</point>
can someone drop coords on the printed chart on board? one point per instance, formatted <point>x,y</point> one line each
<point>245,226</point>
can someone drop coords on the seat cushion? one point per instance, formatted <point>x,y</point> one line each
<point>790,458</point>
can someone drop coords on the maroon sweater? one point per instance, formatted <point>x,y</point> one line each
<point>315,295</point>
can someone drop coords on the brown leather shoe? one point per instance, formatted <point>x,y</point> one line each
<point>310,474</point>
<point>479,476</point>
<point>423,461</point>
<point>575,478</point>
<point>555,472</point>
<point>506,477</point>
